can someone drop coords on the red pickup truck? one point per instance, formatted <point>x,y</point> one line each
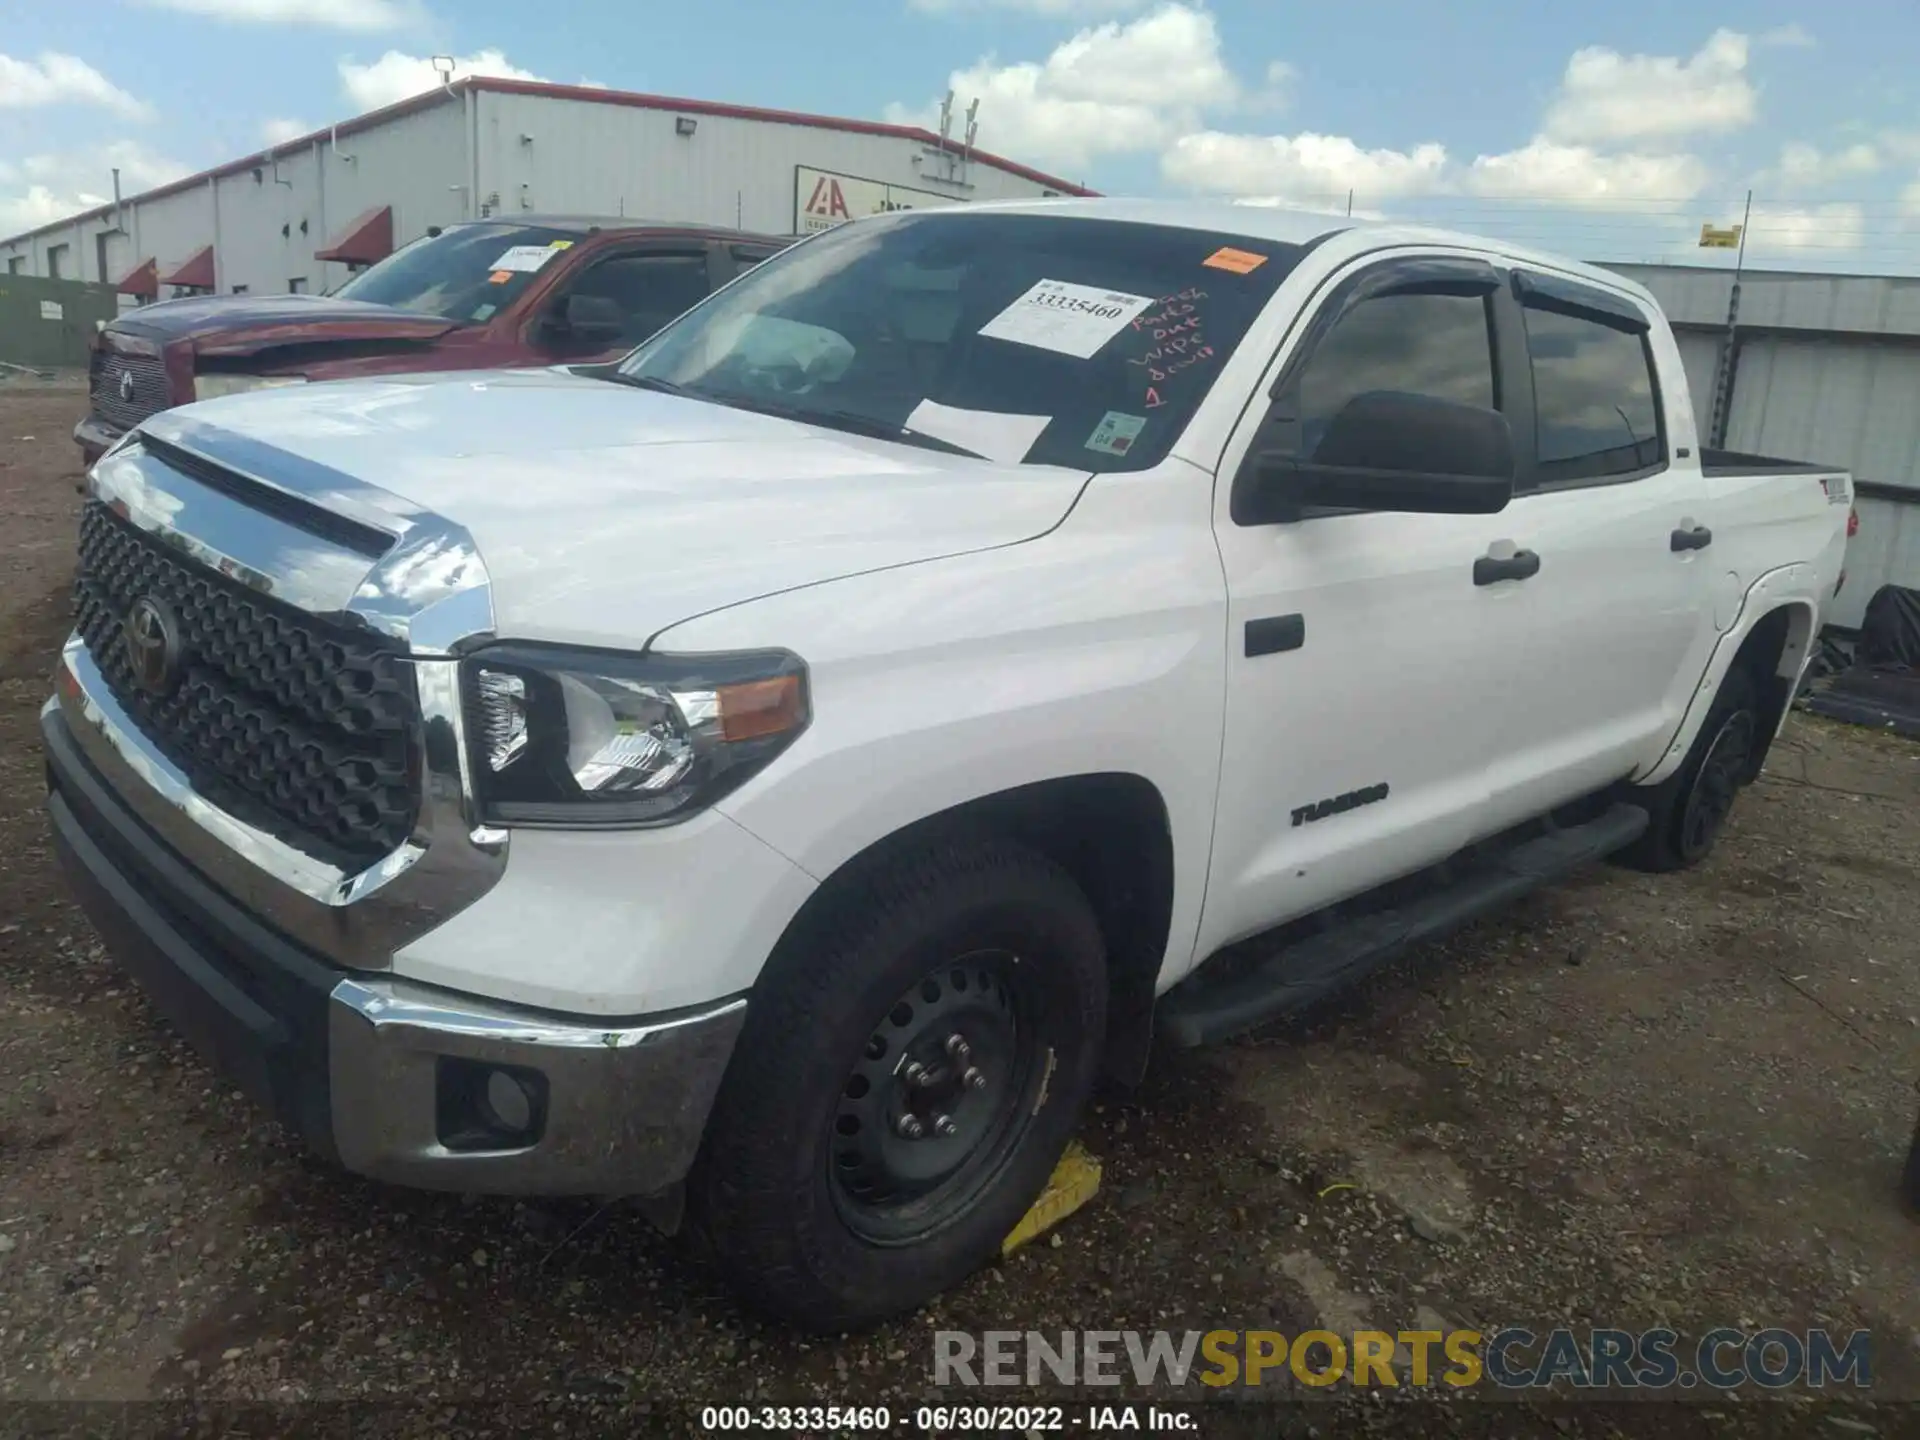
<point>532,290</point>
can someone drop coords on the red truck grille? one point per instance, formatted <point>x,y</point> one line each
<point>126,389</point>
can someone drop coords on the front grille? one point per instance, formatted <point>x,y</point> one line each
<point>298,726</point>
<point>106,375</point>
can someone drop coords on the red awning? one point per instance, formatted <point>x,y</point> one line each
<point>367,239</point>
<point>142,279</point>
<point>196,271</point>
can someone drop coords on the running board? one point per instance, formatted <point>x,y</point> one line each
<point>1200,1010</point>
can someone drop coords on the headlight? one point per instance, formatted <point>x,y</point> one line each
<point>212,387</point>
<point>587,737</point>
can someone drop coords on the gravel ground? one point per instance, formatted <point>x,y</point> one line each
<point>1631,1102</point>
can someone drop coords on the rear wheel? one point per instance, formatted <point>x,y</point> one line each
<point>1688,811</point>
<point>905,1083</point>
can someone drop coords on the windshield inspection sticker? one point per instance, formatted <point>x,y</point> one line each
<point>526,257</point>
<point>1240,262</point>
<point>1116,433</point>
<point>1067,319</point>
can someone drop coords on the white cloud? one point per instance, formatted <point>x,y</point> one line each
<point>396,76</point>
<point>1787,37</point>
<point>1803,165</point>
<point>278,132</point>
<point>1580,175</point>
<point>1805,232</point>
<point>56,79</point>
<point>40,189</point>
<point>1278,91</point>
<point>1607,97</point>
<point>1035,7</point>
<point>360,15</point>
<point>1283,169</point>
<point>1109,89</point>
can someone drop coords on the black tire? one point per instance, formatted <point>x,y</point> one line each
<point>1688,810</point>
<point>824,1226</point>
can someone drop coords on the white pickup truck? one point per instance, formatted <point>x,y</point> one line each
<point>775,776</point>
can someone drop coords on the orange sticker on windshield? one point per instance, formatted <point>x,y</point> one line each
<point>1240,262</point>
<point>500,277</point>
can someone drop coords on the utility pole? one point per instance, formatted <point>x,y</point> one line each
<point>1723,372</point>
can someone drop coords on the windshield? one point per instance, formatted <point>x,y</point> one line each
<point>1042,339</point>
<point>468,273</point>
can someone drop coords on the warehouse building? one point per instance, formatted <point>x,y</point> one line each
<point>1820,367</point>
<point>302,215</point>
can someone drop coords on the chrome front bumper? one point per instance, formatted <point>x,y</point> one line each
<point>378,1072</point>
<point>622,1104</point>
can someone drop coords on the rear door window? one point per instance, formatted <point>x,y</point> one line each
<point>1596,411</point>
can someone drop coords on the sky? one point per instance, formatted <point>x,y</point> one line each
<point>1608,132</point>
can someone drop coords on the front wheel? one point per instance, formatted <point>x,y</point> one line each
<point>1687,812</point>
<point>907,1078</point>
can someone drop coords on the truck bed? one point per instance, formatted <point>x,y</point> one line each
<point>1735,462</point>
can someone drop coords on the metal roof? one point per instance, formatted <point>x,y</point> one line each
<point>581,224</point>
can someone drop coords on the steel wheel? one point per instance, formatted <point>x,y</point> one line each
<point>1721,775</point>
<point>938,1099</point>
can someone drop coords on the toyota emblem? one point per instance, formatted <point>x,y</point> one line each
<point>153,645</point>
<point>126,386</point>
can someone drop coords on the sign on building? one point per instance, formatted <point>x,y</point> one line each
<point>823,199</point>
<point>1714,238</point>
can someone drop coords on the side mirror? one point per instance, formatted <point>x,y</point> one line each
<point>593,318</point>
<point>1386,450</point>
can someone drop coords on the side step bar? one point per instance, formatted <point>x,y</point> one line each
<point>1201,1010</point>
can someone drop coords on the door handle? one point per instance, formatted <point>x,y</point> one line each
<point>1491,570</point>
<point>1698,538</point>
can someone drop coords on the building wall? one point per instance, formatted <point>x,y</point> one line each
<point>1831,401</point>
<point>414,162</point>
<point>1700,355</point>
<point>1783,300</point>
<point>572,156</point>
<point>1843,402</point>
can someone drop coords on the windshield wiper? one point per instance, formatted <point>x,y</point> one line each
<point>849,420</point>
<point>646,382</point>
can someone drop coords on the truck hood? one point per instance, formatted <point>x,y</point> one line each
<point>606,513</point>
<point>245,324</point>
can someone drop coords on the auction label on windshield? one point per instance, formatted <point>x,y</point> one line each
<point>1066,318</point>
<point>526,257</point>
